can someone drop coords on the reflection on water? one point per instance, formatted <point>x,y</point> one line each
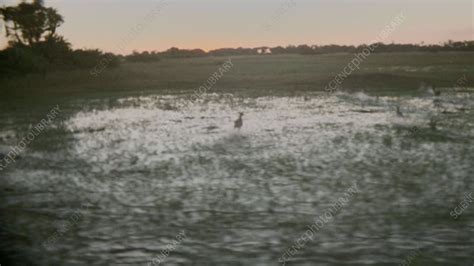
<point>151,169</point>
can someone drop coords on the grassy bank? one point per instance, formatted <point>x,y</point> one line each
<point>253,75</point>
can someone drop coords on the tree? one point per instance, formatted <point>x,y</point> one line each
<point>29,23</point>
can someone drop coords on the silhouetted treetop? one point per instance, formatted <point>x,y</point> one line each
<point>35,47</point>
<point>29,23</point>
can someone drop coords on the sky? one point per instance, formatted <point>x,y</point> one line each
<point>122,26</point>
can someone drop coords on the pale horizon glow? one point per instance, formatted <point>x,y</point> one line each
<point>212,24</point>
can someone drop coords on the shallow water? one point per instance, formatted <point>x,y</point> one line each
<point>148,167</point>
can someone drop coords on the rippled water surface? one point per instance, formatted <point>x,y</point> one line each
<point>136,171</point>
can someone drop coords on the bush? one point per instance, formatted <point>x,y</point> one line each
<point>56,50</point>
<point>21,60</point>
<point>91,58</point>
<point>51,55</point>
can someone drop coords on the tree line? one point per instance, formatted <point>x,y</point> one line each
<point>467,46</point>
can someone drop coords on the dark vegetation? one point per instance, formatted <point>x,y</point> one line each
<point>450,46</point>
<point>35,47</point>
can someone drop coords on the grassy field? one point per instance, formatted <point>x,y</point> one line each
<point>254,75</point>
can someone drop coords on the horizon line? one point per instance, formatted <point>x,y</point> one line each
<point>421,43</point>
